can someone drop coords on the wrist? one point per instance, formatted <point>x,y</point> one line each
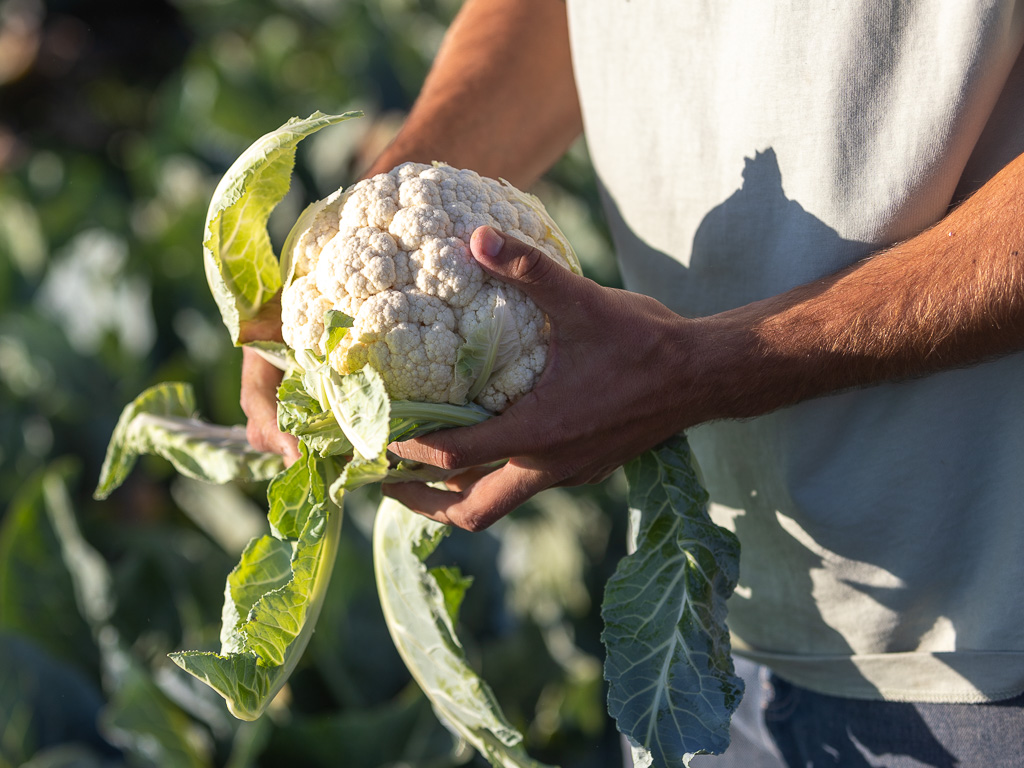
<point>732,370</point>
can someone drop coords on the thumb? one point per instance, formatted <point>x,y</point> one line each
<point>529,269</point>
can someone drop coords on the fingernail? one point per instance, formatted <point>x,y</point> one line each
<point>489,243</point>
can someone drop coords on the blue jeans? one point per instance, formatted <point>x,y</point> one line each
<point>779,725</point>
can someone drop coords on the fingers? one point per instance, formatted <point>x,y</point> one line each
<point>258,397</point>
<point>493,440</point>
<point>531,270</point>
<point>270,439</point>
<point>479,505</point>
<point>463,480</point>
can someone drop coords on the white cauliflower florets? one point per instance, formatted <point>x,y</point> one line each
<point>393,253</point>
<point>302,316</point>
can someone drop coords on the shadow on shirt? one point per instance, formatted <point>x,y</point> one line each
<point>743,251</point>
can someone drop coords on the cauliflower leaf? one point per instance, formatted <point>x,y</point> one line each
<point>241,268</point>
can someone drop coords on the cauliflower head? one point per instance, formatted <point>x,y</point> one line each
<point>392,253</point>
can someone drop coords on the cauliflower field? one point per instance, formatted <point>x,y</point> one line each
<point>393,254</point>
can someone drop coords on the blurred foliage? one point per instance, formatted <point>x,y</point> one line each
<point>117,120</point>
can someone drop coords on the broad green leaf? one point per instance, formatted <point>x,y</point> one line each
<point>418,617</point>
<point>241,268</point>
<point>170,399</point>
<point>280,617</point>
<point>274,596</point>
<point>330,412</point>
<point>160,421</point>
<point>294,494</point>
<point>672,689</point>
<point>361,405</point>
<point>247,687</point>
<point>295,406</point>
<point>265,565</point>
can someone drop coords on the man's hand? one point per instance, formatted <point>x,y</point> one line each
<point>619,380</point>
<point>260,380</point>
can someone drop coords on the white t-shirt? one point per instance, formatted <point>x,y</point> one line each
<point>744,148</point>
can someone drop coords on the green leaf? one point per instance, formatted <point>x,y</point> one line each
<point>453,586</point>
<point>337,324</point>
<point>489,348</point>
<point>160,421</point>
<point>247,687</point>
<point>359,472</point>
<point>171,399</point>
<point>672,689</point>
<point>274,596</point>
<point>241,268</point>
<point>295,406</point>
<point>265,565</point>
<point>294,494</point>
<point>300,413</point>
<point>417,614</point>
<point>30,553</point>
<point>361,405</point>
<point>281,616</point>
<point>141,720</point>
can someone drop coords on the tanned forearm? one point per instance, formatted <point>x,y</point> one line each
<point>500,97</point>
<point>950,297</point>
